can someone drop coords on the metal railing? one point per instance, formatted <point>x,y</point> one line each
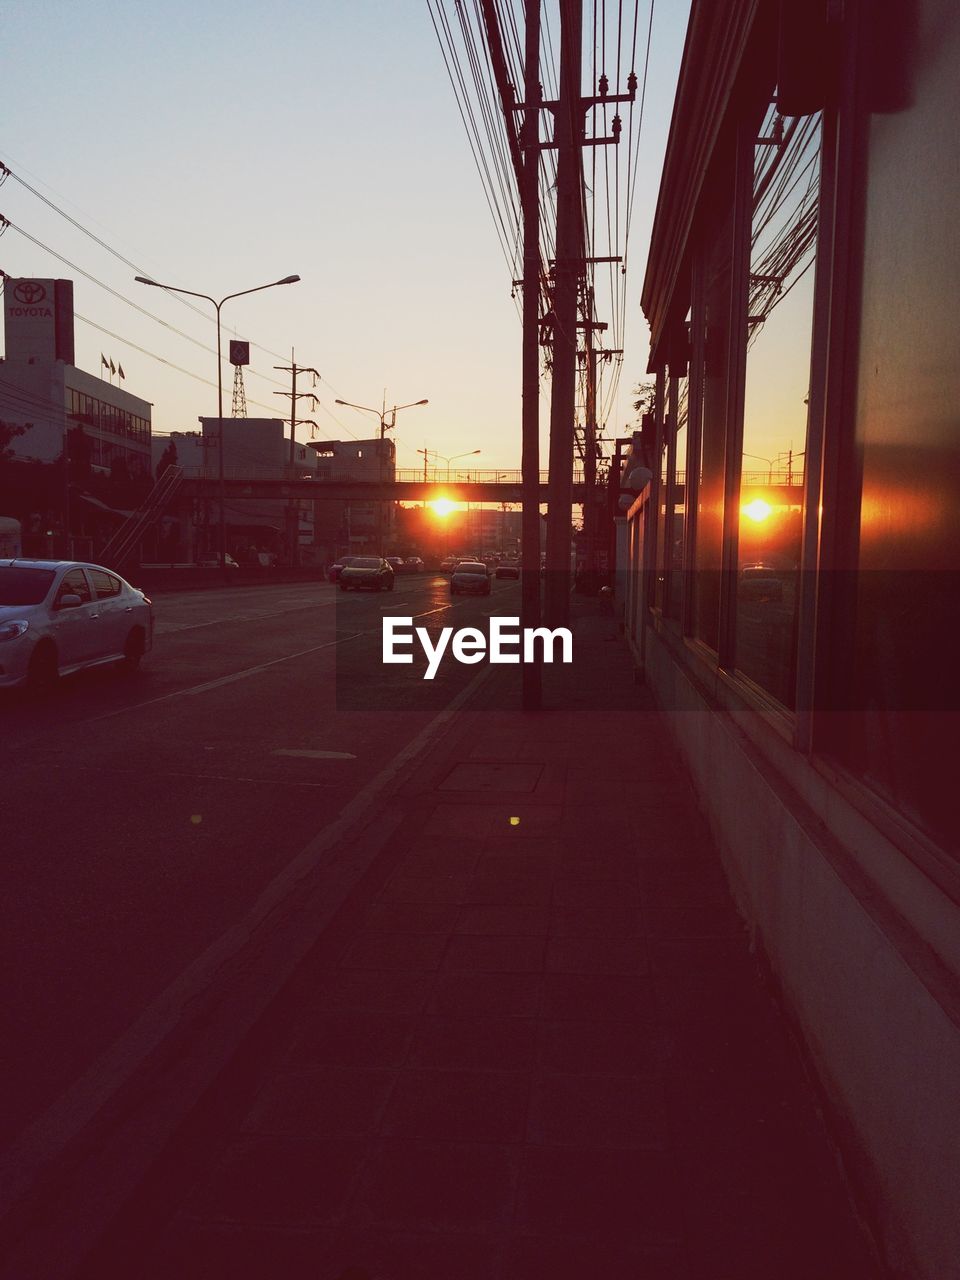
<point>411,475</point>
<point>124,540</point>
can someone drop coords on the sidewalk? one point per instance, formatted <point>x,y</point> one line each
<point>533,1045</point>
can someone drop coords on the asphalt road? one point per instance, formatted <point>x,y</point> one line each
<point>142,815</point>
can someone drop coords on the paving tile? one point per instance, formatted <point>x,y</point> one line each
<point>374,990</point>
<point>682,920</point>
<point>515,890</point>
<point>675,956</point>
<point>515,995</point>
<point>327,1102</point>
<point>353,1039</point>
<point>588,862</point>
<point>597,954</point>
<point>783,1212</point>
<point>582,891</point>
<point>614,921</point>
<point>429,888</point>
<point>280,1180</point>
<point>457,819</point>
<point>610,997</point>
<point>603,1048</point>
<point>534,1258</point>
<point>513,920</point>
<point>453,859</point>
<point>395,951</point>
<point>460,1106</point>
<point>495,953</point>
<point>210,1251</point>
<point>598,1111</point>
<point>391,1255</point>
<point>631,1196</point>
<point>410,917</point>
<point>437,1186</point>
<point>486,1044</point>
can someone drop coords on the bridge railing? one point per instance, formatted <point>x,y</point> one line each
<point>411,475</point>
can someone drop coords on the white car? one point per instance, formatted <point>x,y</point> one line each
<point>59,616</point>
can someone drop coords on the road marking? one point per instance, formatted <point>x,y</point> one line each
<point>161,630</point>
<point>314,755</point>
<point>222,681</point>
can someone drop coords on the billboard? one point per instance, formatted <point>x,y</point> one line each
<point>38,319</point>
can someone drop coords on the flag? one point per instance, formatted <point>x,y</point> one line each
<point>120,371</point>
<point>104,361</point>
<point>112,367</point>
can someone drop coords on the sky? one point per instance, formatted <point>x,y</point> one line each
<point>219,147</point>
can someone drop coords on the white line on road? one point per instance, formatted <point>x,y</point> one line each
<point>314,755</point>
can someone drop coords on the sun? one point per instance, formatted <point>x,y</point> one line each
<point>442,507</point>
<point>757,509</point>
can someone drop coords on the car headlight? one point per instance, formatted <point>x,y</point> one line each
<point>10,630</point>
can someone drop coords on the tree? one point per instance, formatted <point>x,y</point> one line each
<point>8,433</point>
<point>646,396</point>
<point>167,459</point>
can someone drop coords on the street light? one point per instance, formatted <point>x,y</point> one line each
<point>172,288</point>
<point>769,461</point>
<point>384,427</point>
<point>443,458</point>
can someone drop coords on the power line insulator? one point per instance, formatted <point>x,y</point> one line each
<point>616,127</point>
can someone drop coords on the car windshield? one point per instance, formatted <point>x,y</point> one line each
<point>24,586</point>
<point>364,562</point>
<point>469,567</point>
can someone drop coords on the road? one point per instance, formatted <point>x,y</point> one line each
<point>142,815</point>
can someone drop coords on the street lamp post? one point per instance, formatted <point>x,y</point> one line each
<point>443,458</point>
<point>384,428</point>
<point>170,288</point>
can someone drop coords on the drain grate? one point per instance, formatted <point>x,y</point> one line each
<point>492,775</point>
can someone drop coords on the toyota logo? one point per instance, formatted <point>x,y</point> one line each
<point>29,292</point>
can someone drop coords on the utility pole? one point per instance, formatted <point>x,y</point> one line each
<point>568,131</point>
<point>294,369</point>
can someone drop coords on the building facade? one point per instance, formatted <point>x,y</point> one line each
<point>80,445</point>
<point>345,527</point>
<point>792,566</point>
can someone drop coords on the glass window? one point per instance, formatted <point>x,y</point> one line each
<point>105,584</point>
<point>786,189</point>
<point>676,527</point>
<point>715,319</point>
<point>74,584</point>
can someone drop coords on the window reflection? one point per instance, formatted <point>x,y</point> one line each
<point>780,322</point>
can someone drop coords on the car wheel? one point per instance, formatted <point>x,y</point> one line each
<point>133,650</point>
<point>43,671</point>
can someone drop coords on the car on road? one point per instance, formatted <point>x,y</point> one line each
<point>334,571</point>
<point>413,564</point>
<point>396,563</point>
<point>508,569</point>
<point>449,563</point>
<point>761,582</point>
<point>60,616</point>
<point>369,573</point>
<point>470,577</point>
<point>213,562</point>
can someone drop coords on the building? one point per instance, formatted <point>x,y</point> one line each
<point>43,392</point>
<point>254,447</point>
<point>792,572</point>
<point>355,526</point>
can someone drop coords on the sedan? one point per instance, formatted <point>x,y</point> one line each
<point>509,569</point>
<point>59,616</point>
<point>333,573</point>
<point>366,572</point>
<point>470,577</point>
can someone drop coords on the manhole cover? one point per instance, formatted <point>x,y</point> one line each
<point>489,775</point>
